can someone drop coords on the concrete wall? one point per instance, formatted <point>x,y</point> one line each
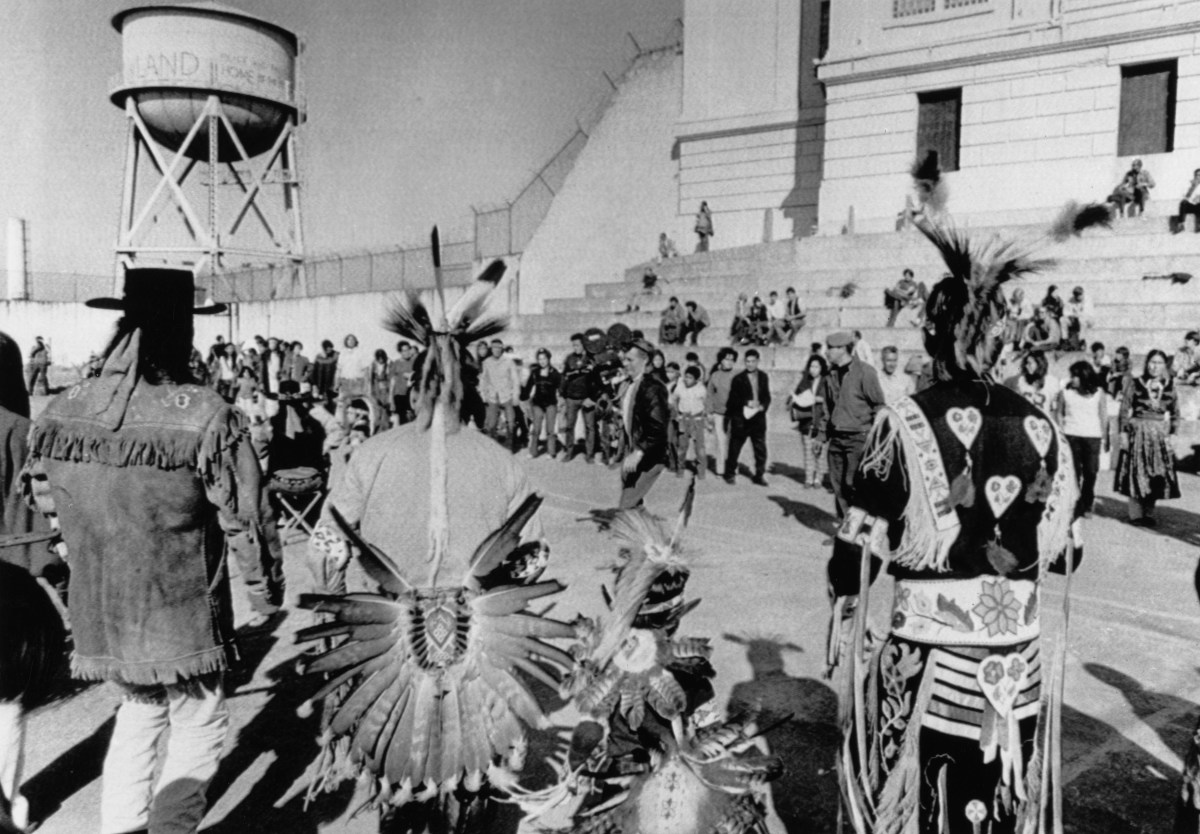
<point>619,196</point>
<point>76,331</point>
<point>1040,105</point>
<point>750,135</point>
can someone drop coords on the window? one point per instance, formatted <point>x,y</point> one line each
<point>824,38</point>
<point>906,8</point>
<point>938,121</point>
<point>1147,109</point>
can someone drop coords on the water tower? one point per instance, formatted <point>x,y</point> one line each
<point>212,180</point>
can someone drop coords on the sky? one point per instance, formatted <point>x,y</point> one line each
<point>417,111</point>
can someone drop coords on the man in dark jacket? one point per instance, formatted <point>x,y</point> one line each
<point>145,471</point>
<point>579,393</point>
<point>849,397</point>
<point>646,412</point>
<point>746,410</point>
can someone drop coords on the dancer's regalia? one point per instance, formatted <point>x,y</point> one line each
<point>437,668</point>
<point>652,756</point>
<point>965,494</point>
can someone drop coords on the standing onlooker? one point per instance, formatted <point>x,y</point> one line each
<point>272,367</point>
<point>400,376</point>
<point>223,370</point>
<point>697,320</point>
<point>500,385</point>
<point>896,384</point>
<point>645,411</point>
<point>541,390</point>
<point>1190,204</point>
<point>578,392</point>
<point>692,360</point>
<point>300,367</point>
<point>39,365</point>
<point>806,408</point>
<point>149,607</point>
<point>1035,383</point>
<point>379,377</point>
<point>1122,369</point>
<point>1082,411</point>
<point>246,397</point>
<point>849,399</point>
<point>658,366</point>
<point>704,226</point>
<point>717,389</point>
<point>352,370</point>
<point>749,399</point>
<point>689,401</point>
<point>1102,362</point>
<point>324,372</point>
<point>1146,463</point>
<point>671,325</point>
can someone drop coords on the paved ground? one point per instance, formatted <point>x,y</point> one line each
<point>1132,683</point>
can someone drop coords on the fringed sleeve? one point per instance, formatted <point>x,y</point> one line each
<point>230,472</point>
<point>880,495</point>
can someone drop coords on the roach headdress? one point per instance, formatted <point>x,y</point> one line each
<point>964,316</point>
<point>443,336</point>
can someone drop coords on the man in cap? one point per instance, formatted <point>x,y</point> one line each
<point>645,414</point>
<point>850,395</point>
<point>579,393</point>
<point>146,471</point>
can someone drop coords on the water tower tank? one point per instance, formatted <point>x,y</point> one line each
<point>175,56</point>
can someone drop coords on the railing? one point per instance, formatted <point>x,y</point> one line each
<point>62,286</point>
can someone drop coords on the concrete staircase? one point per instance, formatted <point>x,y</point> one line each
<point>1109,264</point>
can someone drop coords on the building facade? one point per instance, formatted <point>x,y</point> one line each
<point>1029,103</point>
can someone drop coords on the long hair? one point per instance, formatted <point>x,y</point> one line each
<point>1166,363</point>
<point>1041,367</point>
<point>165,350</point>
<point>1088,379</point>
<point>13,395</point>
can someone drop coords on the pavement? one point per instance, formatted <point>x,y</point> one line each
<point>1132,682</point>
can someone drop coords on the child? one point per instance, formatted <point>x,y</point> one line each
<point>688,401</point>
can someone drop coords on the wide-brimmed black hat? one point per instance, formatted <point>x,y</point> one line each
<point>157,292</point>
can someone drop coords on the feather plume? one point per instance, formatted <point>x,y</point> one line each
<point>685,511</point>
<point>374,561</point>
<point>1074,218</point>
<point>505,539</point>
<point>409,318</point>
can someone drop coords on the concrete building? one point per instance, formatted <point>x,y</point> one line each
<point>749,133</point>
<point>1028,102</point>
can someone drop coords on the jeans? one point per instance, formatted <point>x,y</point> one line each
<point>1086,451</point>
<point>814,460</point>
<point>196,712</point>
<point>547,415</point>
<point>37,373</point>
<point>845,454</point>
<point>12,761</point>
<point>491,421</point>
<point>589,427</point>
<point>691,433</point>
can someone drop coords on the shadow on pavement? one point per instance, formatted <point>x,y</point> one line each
<point>812,517</point>
<point>805,797</point>
<point>1125,789</point>
<point>68,774</point>
<point>293,741</point>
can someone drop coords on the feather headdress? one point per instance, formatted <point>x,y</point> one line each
<point>443,335</point>
<point>965,312</point>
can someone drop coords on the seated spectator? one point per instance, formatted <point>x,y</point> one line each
<point>794,315</point>
<point>1190,204</point>
<point>697,320</point>
<point>906,293</point>
<point>740,331</point>
<point>1123,194</point>
<point>1186,362</point>
<point>649,288</point>
<point>1076,313</point>
<point>760,321</point>
<point>666,247</point>
<point>1020,313</point>
<point>1053,304</point>
<point>671,327</point>
<point>777,319</point>
<point>1138,184</point>
<point>1042,334</point>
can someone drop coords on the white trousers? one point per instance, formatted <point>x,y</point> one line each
<point>12,759</point>
<point>198,719</point>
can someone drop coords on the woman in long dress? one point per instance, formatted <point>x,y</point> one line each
<point>1148,417</point>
